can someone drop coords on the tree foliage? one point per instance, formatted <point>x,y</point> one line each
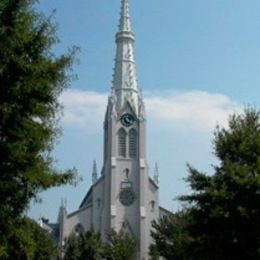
<point>88,245</point>
<point>83,245</point>
<point>224,208</point>
<point>28,241</point>
<point>119,246</point>
<point>31,80</point>
<point>171,239</point>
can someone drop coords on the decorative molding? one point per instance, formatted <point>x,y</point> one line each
<point>113,210</point>
<point>113,161</point>
<point>142,212</point>
<point>142,163</point>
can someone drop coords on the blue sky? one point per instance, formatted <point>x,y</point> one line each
<point>197,62</point>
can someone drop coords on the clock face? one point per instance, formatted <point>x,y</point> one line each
<point>127,196</point>
<point>127,120</point>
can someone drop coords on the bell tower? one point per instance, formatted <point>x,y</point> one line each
<point>124,197</point>
<point>130,195</point>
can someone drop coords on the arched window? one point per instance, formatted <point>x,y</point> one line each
<point>127,173</point>
<point>132,143</point>
<point>98,203</point>
<point>122,142</point>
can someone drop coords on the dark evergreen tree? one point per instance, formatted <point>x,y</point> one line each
<point>224,208</point>
<point>31,80</point>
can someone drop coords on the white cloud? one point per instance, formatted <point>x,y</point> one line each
<point>83,108</point>
<point>198,110</point>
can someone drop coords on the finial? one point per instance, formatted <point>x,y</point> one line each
<point>94,172</point>
<point>156,174</point>
<point>63,203</point>
<point>63,208</point>
<point>124,23</point>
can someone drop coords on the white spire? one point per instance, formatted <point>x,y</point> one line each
<point>63,203</point>
<point>124,23</point>
<point>124,85</point>
<point>63,208</point>
<point>94,172</point>
<point>156,174</point>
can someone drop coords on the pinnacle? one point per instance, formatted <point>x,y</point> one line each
<point>124,23</point>
<point>156,174</point>
<point>94,172</point>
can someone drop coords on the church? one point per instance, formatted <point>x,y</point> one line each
<point>124,196</point>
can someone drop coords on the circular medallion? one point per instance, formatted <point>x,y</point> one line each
<point>127,197</point>
<point>127,120</point>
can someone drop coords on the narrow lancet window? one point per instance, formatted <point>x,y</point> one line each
<point>132,143</point>
<point>152,205</point>
<point>122,142</point>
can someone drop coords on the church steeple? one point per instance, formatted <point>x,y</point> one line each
<point>124,85</point>
<point>94,172</point>
<point>124,198</point>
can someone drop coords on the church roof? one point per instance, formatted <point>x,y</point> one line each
<point>88,197</point>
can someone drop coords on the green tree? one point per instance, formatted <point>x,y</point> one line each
<point>171,238</point>
<point>31,80</point>
<point>119,246</point>
<point>224,208</point>
<point>29,241</point>
<point>83,245</point>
